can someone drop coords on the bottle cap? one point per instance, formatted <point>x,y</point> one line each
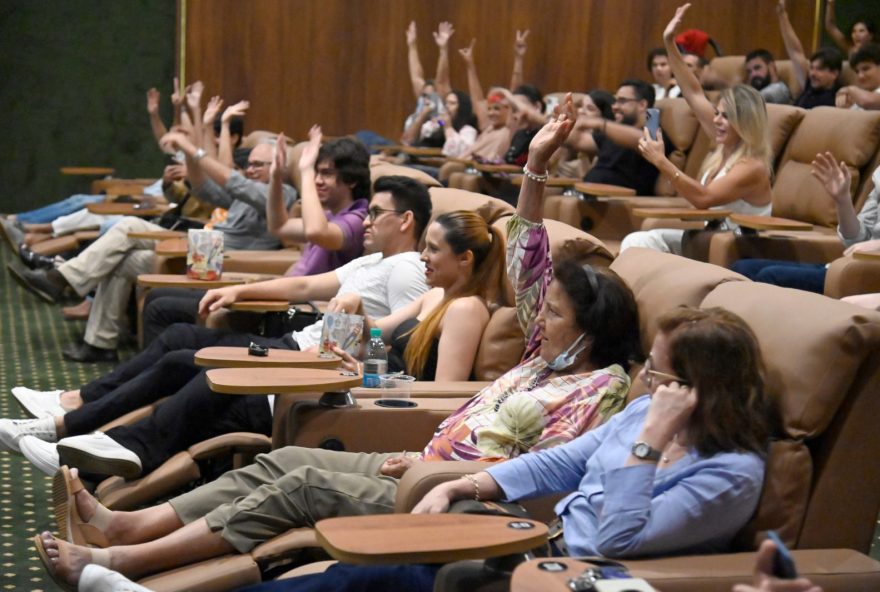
<point>375,332</point>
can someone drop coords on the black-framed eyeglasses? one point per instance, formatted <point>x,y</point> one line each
<point>376,211</point>
<point>649,370</point>
<point>257,164</point>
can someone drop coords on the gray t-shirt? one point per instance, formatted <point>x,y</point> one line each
<point>777,92</point>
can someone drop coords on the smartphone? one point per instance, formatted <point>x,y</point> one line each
<point>653,122</point>
<point>783,563</point>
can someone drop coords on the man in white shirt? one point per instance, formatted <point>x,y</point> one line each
<point>387,279</point>
<point>865,94</point>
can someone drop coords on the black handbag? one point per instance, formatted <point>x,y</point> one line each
<point>295,318</point>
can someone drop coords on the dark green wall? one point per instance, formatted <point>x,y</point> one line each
<point>73,79</point>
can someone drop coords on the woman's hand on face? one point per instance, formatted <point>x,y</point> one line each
<point>436,501</point>
<point>309,155</point>
<point>675,23</point>
<point>863,247</point>
<point>671,407</point>
<point>348,363</point>
<point>550,137</point>
<point>654,151</point>
<point>396,466</point>
<point>834,176</point>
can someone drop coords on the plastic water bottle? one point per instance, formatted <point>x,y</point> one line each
<point>376,362</point>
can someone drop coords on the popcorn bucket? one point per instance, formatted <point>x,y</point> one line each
<point>204,255</point>
<point>343,331</point>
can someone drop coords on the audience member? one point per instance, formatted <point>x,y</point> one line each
<point>819,77</point>
<point>761,75</point>
<point>858,232</point>
<point>736,175</point>
<point>861,33</point>
<point>664,84</point>
<point>388,279</point>
<point>865,94</point>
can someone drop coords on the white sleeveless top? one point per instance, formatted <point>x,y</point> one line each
<point>739,206</point>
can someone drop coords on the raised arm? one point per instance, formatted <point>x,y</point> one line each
<point>198,164</point>
<point>837,181</point>
<point>194,103</point>
<point>831,28</point>
<point>441,78</point>
<point>208,141</point>
<point>416,72</point>
<point>475,89</point>
<point>548,139</point>
<point>315,227</point>
<point>224,154</point>
<point>277,221</point>
<point>793,46</point>
<point>690,86</point>
<point>156,123</point>
<point>178,99</point>
<point>519,53</point>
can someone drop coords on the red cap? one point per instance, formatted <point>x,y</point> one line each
<point>693,41</point>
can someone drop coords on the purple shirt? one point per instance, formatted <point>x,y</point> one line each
<point>317,259</point>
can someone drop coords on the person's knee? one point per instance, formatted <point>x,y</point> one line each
<point>179,336</point>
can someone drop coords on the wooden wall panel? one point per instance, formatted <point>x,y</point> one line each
<point>343,62</point>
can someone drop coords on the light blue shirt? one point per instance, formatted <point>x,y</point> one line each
<point>696,505</point>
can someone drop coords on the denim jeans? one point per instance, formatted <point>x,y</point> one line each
<point>788,274</point>
<point>64,207</point>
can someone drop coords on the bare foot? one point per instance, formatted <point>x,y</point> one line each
<point>66,560</point>
<point>71,400</point>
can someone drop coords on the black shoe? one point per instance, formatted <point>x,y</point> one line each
<point>89,353</point>
<point>47,284</point>
<point>34,260</point>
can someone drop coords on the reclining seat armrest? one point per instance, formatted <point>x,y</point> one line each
<point>424,476</point>
<point>848,276</point>
<point>232,443</point>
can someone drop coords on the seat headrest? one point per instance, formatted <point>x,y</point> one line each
<point>678,122</point>
<point>386,170</point>
<point>445,200</point>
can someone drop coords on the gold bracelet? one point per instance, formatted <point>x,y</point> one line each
<point>476,485</point>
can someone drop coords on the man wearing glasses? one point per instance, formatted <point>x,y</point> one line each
<point>615,143</point>
<point>112,263</point>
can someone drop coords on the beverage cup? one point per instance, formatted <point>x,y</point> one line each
<point>396,386</point>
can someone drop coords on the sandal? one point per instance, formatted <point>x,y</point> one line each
<point>70,524</point>
<point>99,556</point>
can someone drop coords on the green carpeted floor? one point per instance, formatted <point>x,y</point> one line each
<point>32,334</point>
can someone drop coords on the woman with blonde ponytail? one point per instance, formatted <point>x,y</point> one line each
<point>437,336</point>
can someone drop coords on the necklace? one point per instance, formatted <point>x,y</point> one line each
<point>665,457</point>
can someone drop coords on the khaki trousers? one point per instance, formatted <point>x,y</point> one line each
<point>290,487</point>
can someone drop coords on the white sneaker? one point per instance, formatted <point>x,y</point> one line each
<point>13,430</point>
<point>43,455</point>
<point>39,403</point>
<point>99,454</point>
<point>95,578</point>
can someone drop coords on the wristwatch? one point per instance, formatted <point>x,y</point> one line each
<point>199,155</point>
<point>643,451</point>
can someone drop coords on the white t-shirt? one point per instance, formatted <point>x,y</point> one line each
<point>385,284</point>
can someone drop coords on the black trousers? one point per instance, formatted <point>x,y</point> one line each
<point>192,413</point>
<point>165,306</point>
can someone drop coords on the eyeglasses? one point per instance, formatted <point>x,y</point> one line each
<point>257,164</point>
<point>623,100</point>
<point>649,370</point>
<point>376,211</point>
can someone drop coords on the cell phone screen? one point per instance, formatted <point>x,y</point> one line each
<point>653,122</point>
<point>783,563</point>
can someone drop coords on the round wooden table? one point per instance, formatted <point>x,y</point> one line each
<point>280,381</point>
<point>238,357</point>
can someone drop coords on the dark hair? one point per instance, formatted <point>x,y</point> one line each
<point>869,52</point>
<point>829,58</point>
<point>408,195</point>
<point>762,54</point>
<point>643,90</point>
<point>351,159</point>
<point>700,59</point>
<point>603,101</point>
<point>236,128</point>
<point>465,115</point>
<point>605,309</point>
<point>717,353</point>
<point>869,24</point>
<point>531,92</point>
<point>657,51</point>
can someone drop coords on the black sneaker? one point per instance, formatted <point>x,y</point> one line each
<point>38,282</point>
<point>86,353</point>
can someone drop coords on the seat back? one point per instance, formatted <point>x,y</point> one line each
<point>680,129</point>
<point>822,365</point>
<point>387,169</point>
<point>852,136</point>
<point>733,69</point>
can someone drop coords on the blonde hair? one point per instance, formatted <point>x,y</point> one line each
<point>747,114</point>
<point>463,231</point>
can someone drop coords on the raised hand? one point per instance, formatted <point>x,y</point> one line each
<point>411,34</point>
<point>780,6</point>
<point>652,150</point>
<point>194,95</point>
<point>520,46</point>
<point>675,23</point>
<point>211,110</point>
<point>835,177</point>
<point>309,155</point>
<point>443,33</point>
<point>468,52</point>
<point>550,137</point>
<point>176,96</point>
<point>174,141</point>
<point>153,97</point>
<point>279,159</point>
<point>236,110</point>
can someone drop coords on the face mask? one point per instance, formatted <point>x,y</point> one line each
<point>566,358</point>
